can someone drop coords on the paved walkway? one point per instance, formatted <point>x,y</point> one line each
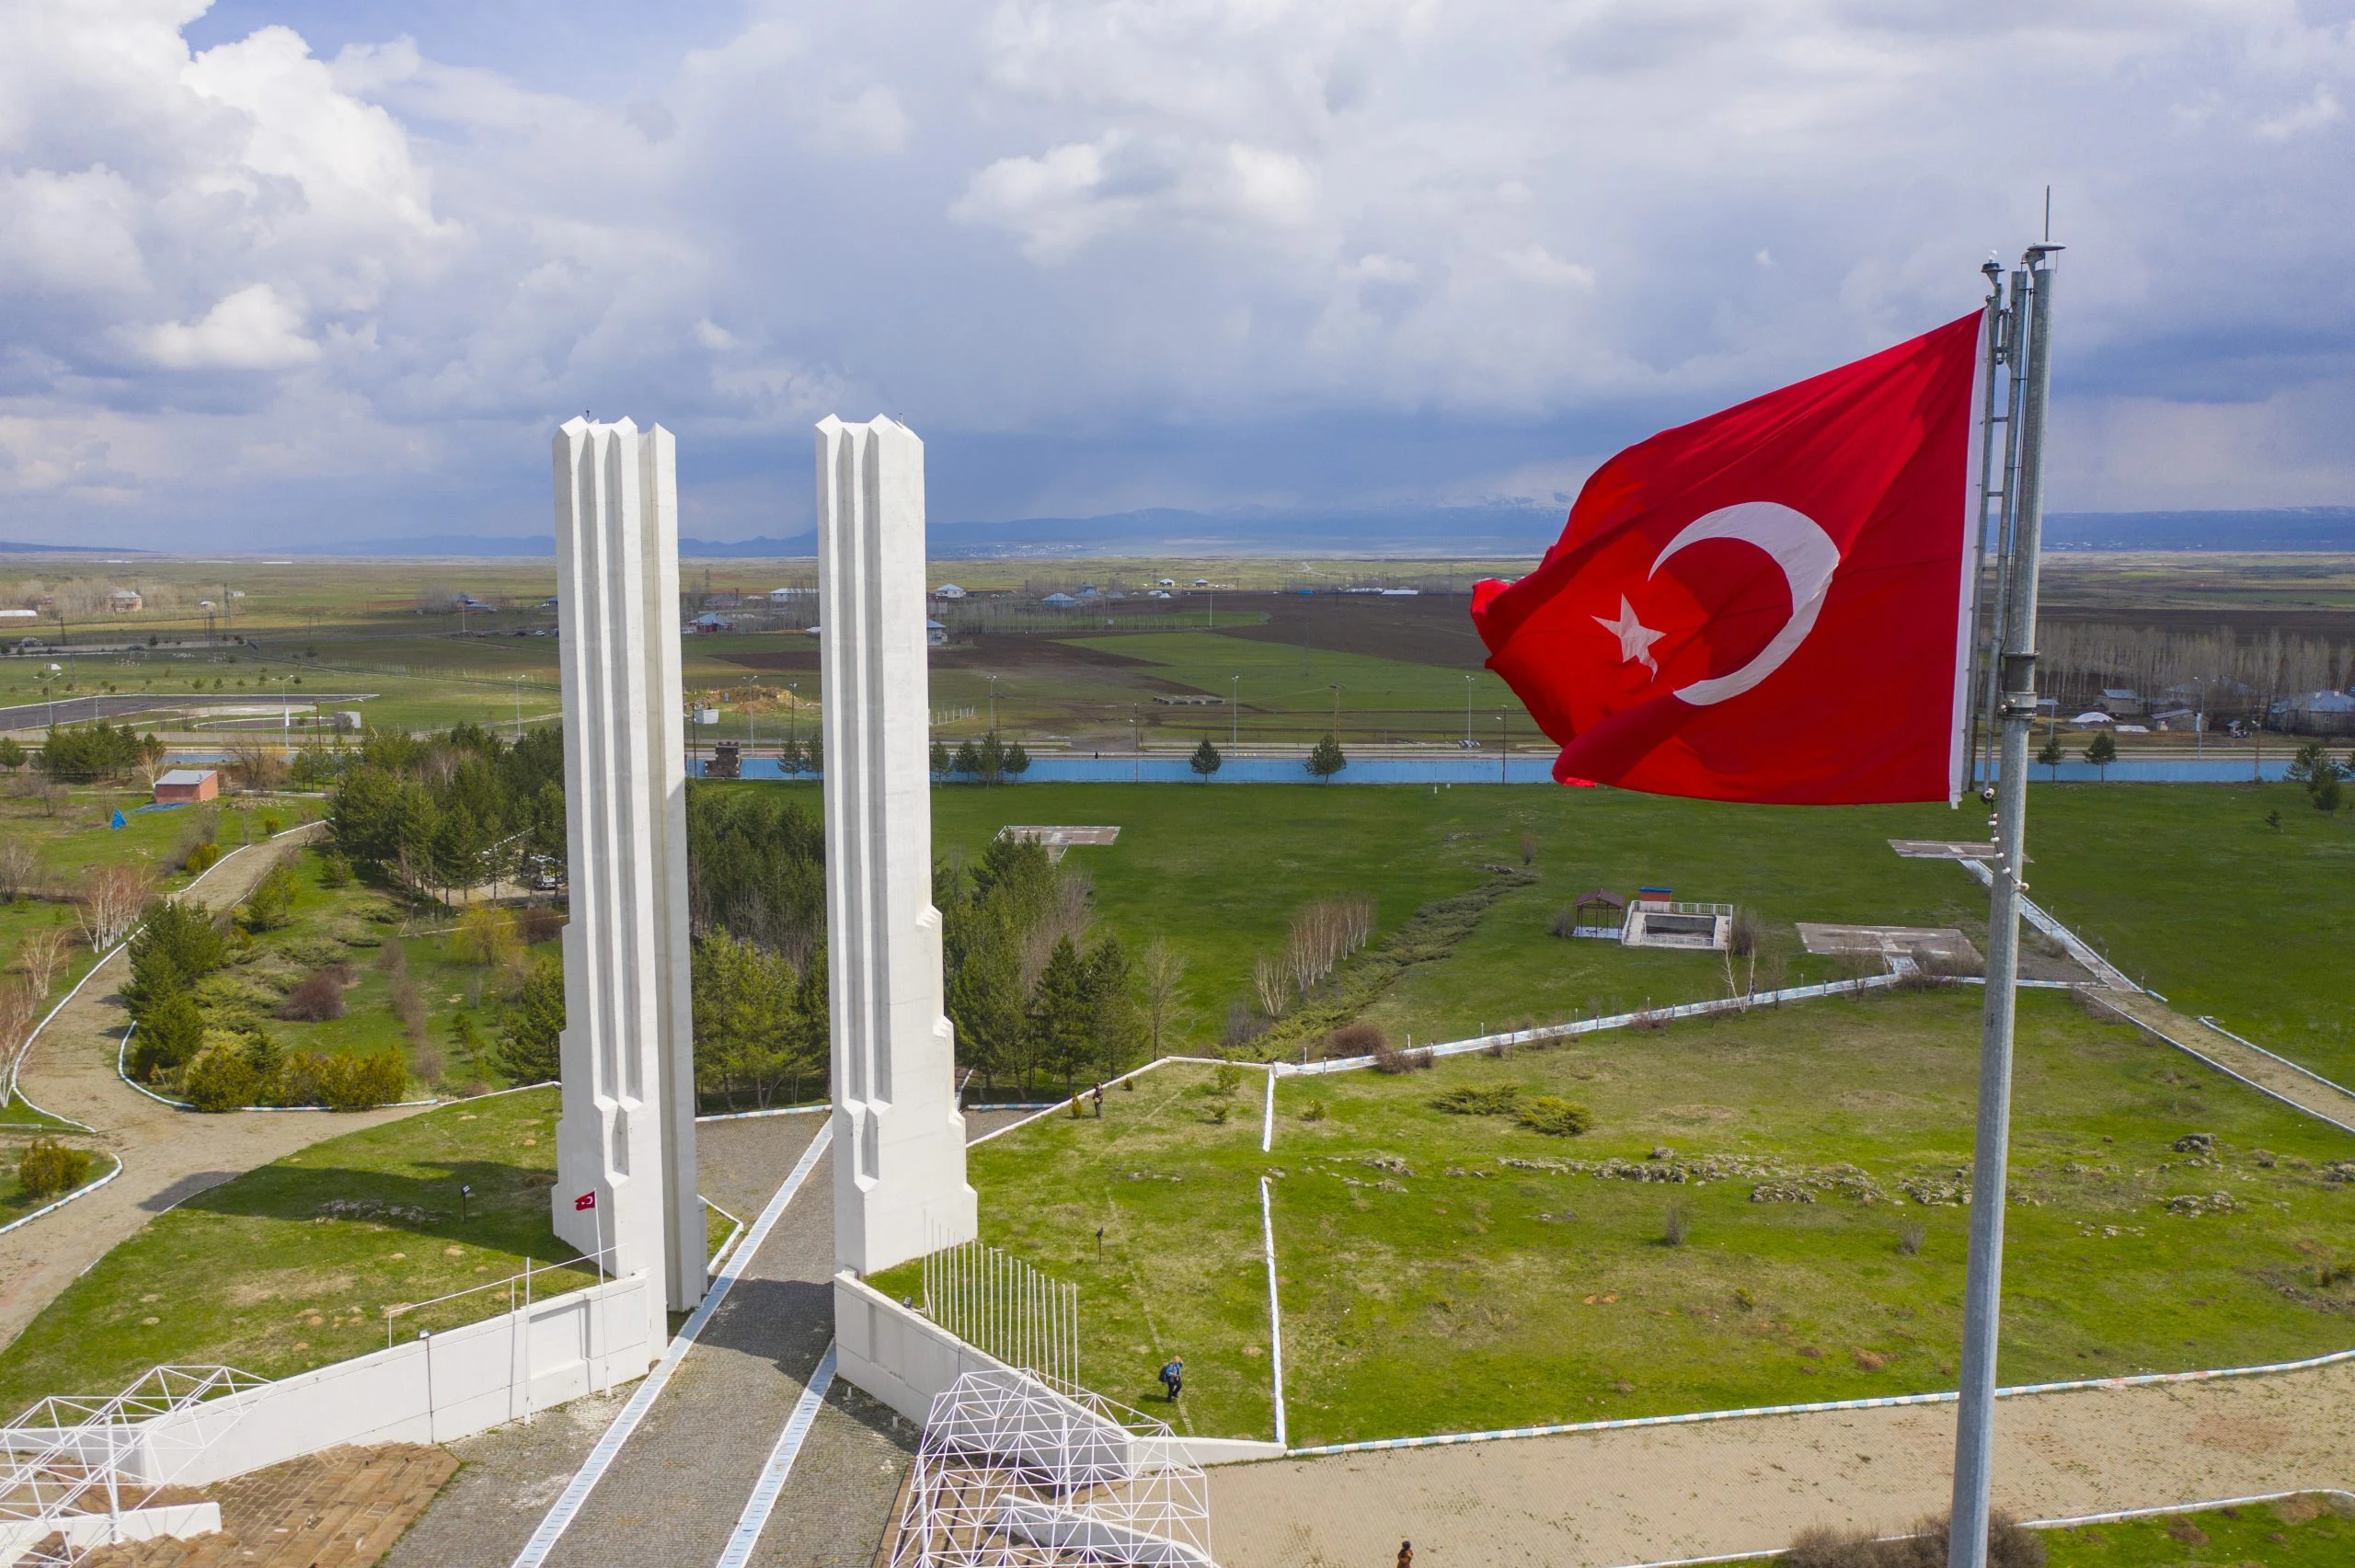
<point>2304,1090</point>
<point>167,1156</point>
<point>1597,1499</point>
<point>677,1488</point>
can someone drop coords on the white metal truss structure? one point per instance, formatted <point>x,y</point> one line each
<point>995,1301</point>
<point>74,1456</point>
<point>1016,1473</point>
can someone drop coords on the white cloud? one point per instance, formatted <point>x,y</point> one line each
<point>1146,224</point>
<point>252,330</point>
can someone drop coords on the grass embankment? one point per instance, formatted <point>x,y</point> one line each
<point>1431,1287</point>
<point>2297,1532</point>
<point>291,1267</point>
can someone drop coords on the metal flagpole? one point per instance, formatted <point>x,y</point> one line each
<point>1981,639</point>
<point>1982,1295</point>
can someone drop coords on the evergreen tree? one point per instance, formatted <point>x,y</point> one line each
<point>2102,752</point>
<point>1017,760</point>
<point>531,1026</point>
<point>1205,760</point>
<point>1327,760</point>
<point>1060,1031</point>
<point>2051,755</point>
<point>1115,1025</point>
<point>985,1001</point>
<point>168,1035</point>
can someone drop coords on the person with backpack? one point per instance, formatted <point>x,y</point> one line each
<point>1173,1376</point>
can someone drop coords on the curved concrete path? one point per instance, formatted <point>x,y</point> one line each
<point>1592,1500</point>
<point>167,1156</point>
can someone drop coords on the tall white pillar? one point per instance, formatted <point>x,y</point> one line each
<point>628,1132</point>
<point>900,1188</point>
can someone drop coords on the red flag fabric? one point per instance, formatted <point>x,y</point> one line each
<point>586,1200</point>
<point>1769,604</point>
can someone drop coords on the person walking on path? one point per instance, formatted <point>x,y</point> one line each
<point>1099,1101</point>
<point>1406,1554</point>
<point>1173,1376</point>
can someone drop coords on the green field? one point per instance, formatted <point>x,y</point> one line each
<point>1432,1284</point>
<point>291,1267</point>
<point>2297,1532</point>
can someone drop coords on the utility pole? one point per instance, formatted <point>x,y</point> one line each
<point>1467,713</point>
<point>1233,712</point>
<point>1337,713</point>
<point>2028,350</point>
<point>993,680</point>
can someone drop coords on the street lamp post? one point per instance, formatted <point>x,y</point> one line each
<point>1233,712</point>
<point>1467,713</point>
<point>1504,747</point>
<point>993,680</point>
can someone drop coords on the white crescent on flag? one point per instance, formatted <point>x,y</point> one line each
<point>1807,558</point>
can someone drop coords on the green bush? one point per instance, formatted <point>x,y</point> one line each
<point>166,1036</point>
<point>220,1077</point>
<point>50,1170</point>
<point>271,903</point>
<point>334,871</point>
<point>342,1083</point>
<point>1501,1101</point>
<point>1553,1115</point>
<point>200,858</point>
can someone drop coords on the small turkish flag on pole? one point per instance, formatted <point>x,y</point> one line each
<point>586,1200</point>
<point>1769,604</point>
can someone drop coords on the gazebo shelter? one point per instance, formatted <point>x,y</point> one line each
<point>1599,913</point>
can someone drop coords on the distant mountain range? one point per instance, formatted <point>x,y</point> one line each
<point>1418,532</point>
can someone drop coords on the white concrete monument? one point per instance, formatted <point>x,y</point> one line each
<point>627,1136</point>
<point>900,1188</point>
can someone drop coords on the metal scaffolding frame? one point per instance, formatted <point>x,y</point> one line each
<point>74,1456</point>
<point>1014,1472</point>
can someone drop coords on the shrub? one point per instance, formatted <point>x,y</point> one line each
<point>1673,1226</point>
<point>344,1082</point>
<point>48,1168</point>
<point>1313,1112</point>
<point>334,871</point>
<point>1356,1040</point>
<point>1743,934</point>
<point>2008,1546</point>
<point>1553,1115</point>
<point>1226,1080</point>
<point>271,903</point>
<point>220,1077</point>
<point>167,1034</point>
<point>1468,1101</point>
<point>541,922</point>
<point>1388,1059</point>
<point>485,936</point>
<point>1909,1237</point>
<point>1565,922</point>
<point>200,858</point>
<point>319,999</point>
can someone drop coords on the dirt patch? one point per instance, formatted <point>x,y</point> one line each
<point>1433,628</point>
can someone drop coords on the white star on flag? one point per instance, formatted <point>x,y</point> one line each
<point>1636,639</point>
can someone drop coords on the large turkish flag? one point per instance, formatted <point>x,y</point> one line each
<point>1769,604</point>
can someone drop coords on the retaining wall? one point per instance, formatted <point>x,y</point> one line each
<point>456,1383</point>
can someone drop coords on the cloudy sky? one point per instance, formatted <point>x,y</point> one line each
<point>287,270</point>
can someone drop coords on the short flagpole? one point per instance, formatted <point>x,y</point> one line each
<point>1982,1293</point>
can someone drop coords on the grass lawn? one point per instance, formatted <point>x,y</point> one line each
<point>1431,1286</point>
<point>2297,1532</point>
<point>291,1267</point>
<point>15,1202</point>
<point>2189,889</point>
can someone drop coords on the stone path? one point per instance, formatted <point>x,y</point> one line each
<point>167,1156</point>
<point>2304,1090</point>
<point>1592,1500</point>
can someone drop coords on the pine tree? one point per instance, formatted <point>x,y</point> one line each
<point>1205,760</point>
<point>532,1026</point>
<point>1327,760</point>
<point>2102,752</point>
<point>1061,1030</point>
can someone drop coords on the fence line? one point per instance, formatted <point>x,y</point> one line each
<point>1275,1307</point>
<point>1002,1305</point>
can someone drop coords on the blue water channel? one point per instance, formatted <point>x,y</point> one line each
<point>1526,770</point>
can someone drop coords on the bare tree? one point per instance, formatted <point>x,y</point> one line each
<point>18,1011</point>
<point>1325,934</point>
<point>42,957</point>
<point>1068,914</point>
<point>1268,979</point>
<point>1162,968</point>
<point>258,766</point>
<point>112,897</point>
<point>21,869</point>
